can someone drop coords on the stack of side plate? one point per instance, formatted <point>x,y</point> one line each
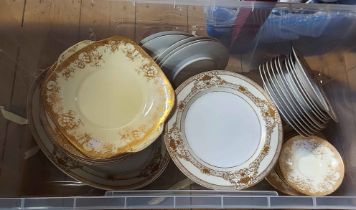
<point>307,166</point>
<point>300,99</point>
<point>182,55</point>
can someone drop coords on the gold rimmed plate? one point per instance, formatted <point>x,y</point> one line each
<point>132,172</point>
<point>311,165</point>
<point>108,98</point>
<point>225,132</point>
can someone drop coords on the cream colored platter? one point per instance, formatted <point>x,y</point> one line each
<point>131,172</point>
<point>108,98</point>
<point>225,132</point>
<point>51,129</point>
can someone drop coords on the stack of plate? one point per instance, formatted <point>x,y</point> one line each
<point>182,55</point>
<point>307,166</point>
<point>300,99</point>
<point>98,110</point>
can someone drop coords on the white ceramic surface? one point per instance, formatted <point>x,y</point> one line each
<point>225,132</point>
<point>217,119</point>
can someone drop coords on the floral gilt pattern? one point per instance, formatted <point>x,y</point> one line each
<point>92,57</point>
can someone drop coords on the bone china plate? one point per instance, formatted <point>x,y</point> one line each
<point>225,132</point>
<point>311,165</point>
<point>108,98</point>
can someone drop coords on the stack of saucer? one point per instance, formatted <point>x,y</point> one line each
<point>308,166</point>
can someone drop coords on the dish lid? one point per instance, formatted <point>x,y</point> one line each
<point>108,98</point>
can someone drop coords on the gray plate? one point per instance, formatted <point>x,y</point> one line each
<point>286,89</point>
<point>193,58</point>
<point>293,115</point>
<point>135,171</point>
<point>277,102</point>
<point>289,100</point>
<point>158,45</point>
<point>313,89</point>
<point>163,33</point>
<point>182,43</point>
<point>308,102</point>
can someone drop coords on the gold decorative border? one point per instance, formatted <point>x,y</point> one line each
<point>178,147</point>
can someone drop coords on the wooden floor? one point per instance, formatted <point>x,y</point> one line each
<point>34,32</point>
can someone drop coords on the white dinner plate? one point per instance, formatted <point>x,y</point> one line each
<point>225,132</point>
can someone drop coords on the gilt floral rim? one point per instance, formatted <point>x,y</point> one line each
<point>181,154</point>
<point>58,138</point>
<point>321,149</point>
<point>66,120</point>
<point>82,172</point>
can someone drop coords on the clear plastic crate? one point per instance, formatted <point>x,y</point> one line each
<point>33,34</point>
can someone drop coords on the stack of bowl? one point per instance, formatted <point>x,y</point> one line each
<point>98,110</point>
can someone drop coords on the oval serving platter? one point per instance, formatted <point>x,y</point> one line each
<point>108,98</point>
<point>225,132</point>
